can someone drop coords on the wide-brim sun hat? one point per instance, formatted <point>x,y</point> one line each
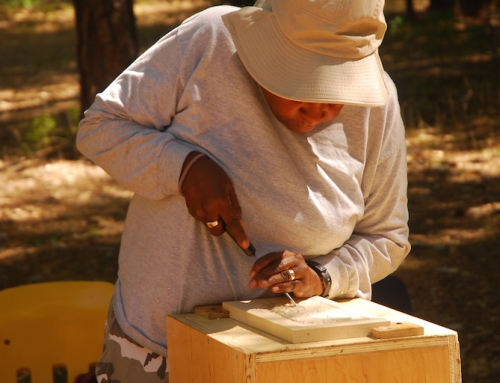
<point>313,50</point>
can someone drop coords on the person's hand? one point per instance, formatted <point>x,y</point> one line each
<point>273,271</point>
<point>210,197</point>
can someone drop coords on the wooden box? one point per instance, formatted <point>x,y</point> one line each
<point>225,350</point>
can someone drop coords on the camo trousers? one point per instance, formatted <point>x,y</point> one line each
<point>125,361</point>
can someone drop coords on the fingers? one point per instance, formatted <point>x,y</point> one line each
<point>276,268</point>
<point>215,227</point>
<point>288,275</point>
<point>285,281</point>
<point>273,263</point>
<point>285,272</point>
<point>233,221</point>
<point>210,198</point>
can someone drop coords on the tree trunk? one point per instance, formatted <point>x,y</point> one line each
<point>442,5</point>
<point>410,12</point>
<point>106,45</point>
<point>237,3</point>
<point>472,8</point>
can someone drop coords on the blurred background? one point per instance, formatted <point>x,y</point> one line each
<point>61,217</point>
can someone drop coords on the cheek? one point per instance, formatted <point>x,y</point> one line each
<point>286,110</point>
<point>335,110</point>
<point>286,117</point>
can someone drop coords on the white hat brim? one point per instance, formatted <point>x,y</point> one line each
<point>294,73</point>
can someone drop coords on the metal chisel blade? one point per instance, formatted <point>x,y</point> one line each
<point>291,299</point>
<point>249,251</point>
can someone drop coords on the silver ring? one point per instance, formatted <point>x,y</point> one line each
<point>212,224</point>
<point>288,275</point>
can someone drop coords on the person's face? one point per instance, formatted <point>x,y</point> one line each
<point>299,116</point>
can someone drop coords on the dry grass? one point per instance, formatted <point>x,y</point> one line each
<point>62,219</point>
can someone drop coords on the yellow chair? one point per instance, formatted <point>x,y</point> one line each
<point>53,325</point>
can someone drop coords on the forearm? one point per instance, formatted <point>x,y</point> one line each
<point>379,241</point>
<point>144,160</point>
<point>362,261</point>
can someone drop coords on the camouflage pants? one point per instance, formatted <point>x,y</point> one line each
<point>125,361</point>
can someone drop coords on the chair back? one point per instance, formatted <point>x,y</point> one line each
<point>45,327</point>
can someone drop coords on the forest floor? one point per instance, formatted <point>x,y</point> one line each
<point>61,219</point>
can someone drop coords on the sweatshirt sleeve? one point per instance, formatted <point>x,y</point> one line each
<point>379,242</point>
<point>126,130</point>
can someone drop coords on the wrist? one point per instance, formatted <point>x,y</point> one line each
<point>324,276</point>
<point>191,158</point>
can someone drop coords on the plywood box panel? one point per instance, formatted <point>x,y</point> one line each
<point>229,351</point>
<point>200,358</point>
<point>376,367</point>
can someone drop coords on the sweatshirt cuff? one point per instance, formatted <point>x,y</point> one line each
<point>170,165</point>
<point>341,284</point>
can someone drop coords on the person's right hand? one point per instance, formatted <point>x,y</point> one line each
<point>210,196</point>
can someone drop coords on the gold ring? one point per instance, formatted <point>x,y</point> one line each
<point>212,224</point>
<point>288,275</point>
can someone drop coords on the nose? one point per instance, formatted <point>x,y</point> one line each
<point>316,113</point>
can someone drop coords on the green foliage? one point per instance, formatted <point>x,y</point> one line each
<point>12,5</point>
<point>32,3</point>
<point>397,26</point>
<point>39,132</point>
<point>52,132</point>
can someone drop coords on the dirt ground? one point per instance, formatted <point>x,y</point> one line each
<point>62,219</point>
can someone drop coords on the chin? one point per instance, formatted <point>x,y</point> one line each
<point>300,128</point>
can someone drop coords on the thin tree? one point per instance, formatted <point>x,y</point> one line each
<point>473,8</point>
<point>106,44</point>
<point>410,12</point>
<point>442,5</point>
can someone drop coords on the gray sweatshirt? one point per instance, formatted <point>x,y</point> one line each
<point>336,194</point>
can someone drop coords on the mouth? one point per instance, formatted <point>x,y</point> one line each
<point>303,127</point>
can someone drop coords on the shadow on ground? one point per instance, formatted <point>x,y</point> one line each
<point>62,220</point>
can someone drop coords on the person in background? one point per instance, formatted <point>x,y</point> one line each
<point>275,123</point>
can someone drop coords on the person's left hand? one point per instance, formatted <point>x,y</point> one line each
<point>273,271</point>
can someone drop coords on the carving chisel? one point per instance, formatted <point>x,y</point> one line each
<point>291,299</point>
<point>250,251</point>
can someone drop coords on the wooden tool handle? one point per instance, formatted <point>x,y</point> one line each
<point>211,312</point>
<point>397,330</point>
